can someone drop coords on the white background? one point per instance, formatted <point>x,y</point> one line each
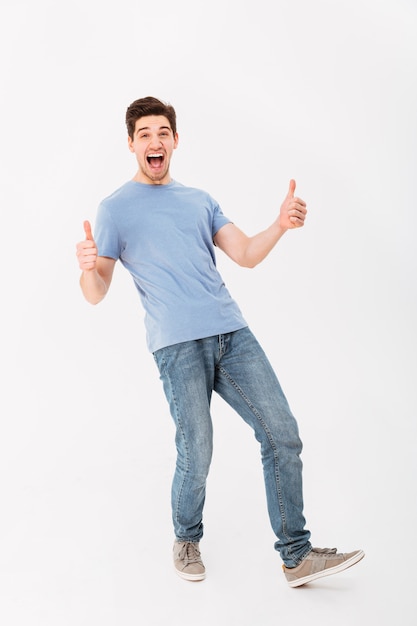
<point>317,90</point>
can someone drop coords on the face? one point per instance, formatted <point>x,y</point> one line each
<point>153,144</point>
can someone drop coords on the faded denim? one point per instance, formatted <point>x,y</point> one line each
<point>235,366</point>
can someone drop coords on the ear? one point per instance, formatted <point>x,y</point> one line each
<point>130,143</point>
<point>176,138</point>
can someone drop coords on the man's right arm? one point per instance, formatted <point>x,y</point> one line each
<point>97,271</point>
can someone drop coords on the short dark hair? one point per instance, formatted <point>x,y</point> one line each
<point>149,106</point>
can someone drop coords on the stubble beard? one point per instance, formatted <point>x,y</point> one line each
<point>156,177</point>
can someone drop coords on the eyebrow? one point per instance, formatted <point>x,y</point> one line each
<point>148,128</point>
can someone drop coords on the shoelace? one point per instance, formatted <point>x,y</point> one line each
<point>189,553</point>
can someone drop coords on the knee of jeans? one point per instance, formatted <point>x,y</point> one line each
<point>194,457</point>
<point>200,461</point>
<point>286,443</point>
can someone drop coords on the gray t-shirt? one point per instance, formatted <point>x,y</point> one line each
<point>163,235</point>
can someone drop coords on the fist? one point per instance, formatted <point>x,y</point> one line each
<point>87,250</point>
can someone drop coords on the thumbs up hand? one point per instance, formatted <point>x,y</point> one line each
<point>87,250</point>
<point>293,210</point>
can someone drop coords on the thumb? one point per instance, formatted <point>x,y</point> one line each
<point>291,189</point>
<point>87,230</point>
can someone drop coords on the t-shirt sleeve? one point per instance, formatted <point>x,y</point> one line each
<point>219,219</point>
<point>106,234</point>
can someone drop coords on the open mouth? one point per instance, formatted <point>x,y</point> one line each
<point>155,160</point>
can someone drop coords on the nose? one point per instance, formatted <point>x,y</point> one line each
<point>155,141</point>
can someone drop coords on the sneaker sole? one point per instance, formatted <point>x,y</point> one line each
<point>191,577</point>
<point>330,570</point>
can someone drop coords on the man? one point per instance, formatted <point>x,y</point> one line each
<point>164,234</point>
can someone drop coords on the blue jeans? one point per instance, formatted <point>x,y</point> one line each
<point>235,366</point>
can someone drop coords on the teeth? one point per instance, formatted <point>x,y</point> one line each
<point>158,154</point>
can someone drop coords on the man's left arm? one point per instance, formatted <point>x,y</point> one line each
<point>249,251</point>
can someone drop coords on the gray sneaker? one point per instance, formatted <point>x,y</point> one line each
<point>318,563</point>
<point>187,561</point>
